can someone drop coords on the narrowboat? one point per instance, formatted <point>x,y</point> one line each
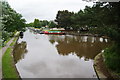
<point>53,32</point>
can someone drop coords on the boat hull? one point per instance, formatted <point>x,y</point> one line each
<point>54,33</point>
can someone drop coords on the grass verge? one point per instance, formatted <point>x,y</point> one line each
<point>8,68</point>
<point>14,41</point>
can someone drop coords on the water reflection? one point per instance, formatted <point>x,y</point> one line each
<point>82,46</point>
<point>19,51</point>
<point>57,56</point>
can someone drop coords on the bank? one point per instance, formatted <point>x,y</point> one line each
<point>8,66</point>
<point>101,69</point>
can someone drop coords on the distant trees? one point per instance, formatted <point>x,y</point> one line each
<point>36,23</point>
<point>52,24</point>
<point>44,23</point>
<point>41,23</point>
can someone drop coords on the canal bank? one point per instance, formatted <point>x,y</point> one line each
<point>7,63</point>
<point>85,34</point>
<point>2,51</point>
<point>101,69</point>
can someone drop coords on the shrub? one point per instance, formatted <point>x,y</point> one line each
<point>112,58</point>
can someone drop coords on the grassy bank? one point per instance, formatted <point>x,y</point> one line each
<point>14,41</point>
<point>8,68</point>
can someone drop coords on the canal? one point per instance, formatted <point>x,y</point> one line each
<point>57,56</point>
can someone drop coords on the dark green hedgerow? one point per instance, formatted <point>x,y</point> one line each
<point>112,58</point>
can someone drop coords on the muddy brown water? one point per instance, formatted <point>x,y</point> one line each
<point>57,56</point>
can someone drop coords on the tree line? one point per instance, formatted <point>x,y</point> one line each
<point>41,23</point>
<point>11,21</point>
<point>102,18</point>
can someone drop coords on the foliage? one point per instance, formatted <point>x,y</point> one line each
<point>11,21</point>
<point>36,23</point>
<point>44,23</point>
<point>52,24</point>
<point>110,26</point>
<point>63,19</point>
<point>39,23</point>
<point>102,18</point>
<point>112,59</point>
<point>0,24</point>
<point>30,24</point>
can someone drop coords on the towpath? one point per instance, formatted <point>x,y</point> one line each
<point>2,51</point>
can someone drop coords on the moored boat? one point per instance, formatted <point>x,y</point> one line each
<point>54,32</point>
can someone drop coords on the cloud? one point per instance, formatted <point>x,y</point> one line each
<point>45,9</point>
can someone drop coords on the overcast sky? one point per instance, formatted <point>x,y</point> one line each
<point>45,9</point>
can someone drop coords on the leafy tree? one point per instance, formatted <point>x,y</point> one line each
<point>36,23</point>
<point>63,19</point>
<point>44,23</point>
<point>11,21</point>
<point>52,24</point>
<point>39,23</point>
<point>105,17</point>
<point>30,24</point>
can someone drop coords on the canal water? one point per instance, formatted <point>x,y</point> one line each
<point>57,56</point>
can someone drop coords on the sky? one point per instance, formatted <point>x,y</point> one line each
<point>45,9</point>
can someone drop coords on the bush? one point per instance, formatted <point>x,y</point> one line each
<point>112,58</point>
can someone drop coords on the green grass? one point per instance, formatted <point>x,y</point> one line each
<point>8,68</point>
<point>14,41</point>
<point>0,47</point>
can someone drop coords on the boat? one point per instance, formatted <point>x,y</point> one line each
<point>54,32</point>
<point>57,29</point>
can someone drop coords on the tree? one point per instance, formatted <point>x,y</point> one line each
<point>105,17</point>
<point>63,19</point>
<point>52,24</point>
<point>30,24</point>
<point>36,23</point>
<point>11,19</point>
<point>44,23</point>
